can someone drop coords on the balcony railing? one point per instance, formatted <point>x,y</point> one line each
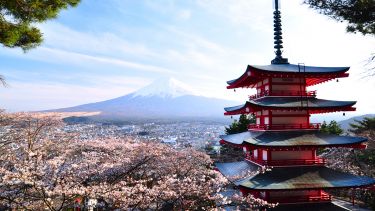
<point>283,93</point>
<point>323,197</point>
<point>312,126</point>
<point>298,162</point>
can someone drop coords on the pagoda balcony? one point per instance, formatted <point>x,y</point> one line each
<point>284,93</point>
<point>323,197</point>
<point>289,162</point>
<point>312,126</point>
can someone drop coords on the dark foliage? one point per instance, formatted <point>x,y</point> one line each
<point>240,125</point>
<point>332,128</point>
<point>366,124</point>
<point>360,14</point>
<point>18,16</point>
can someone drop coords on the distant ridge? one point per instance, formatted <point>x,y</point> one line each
<point>166,98</point>
<point>345,124</point>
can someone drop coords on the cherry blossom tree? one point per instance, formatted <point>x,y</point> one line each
<point>44,167</point>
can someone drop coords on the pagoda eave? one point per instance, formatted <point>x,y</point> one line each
<point>292,140</point>
<point>313,75</point>
<point>303,178</point>
<point>299,147</point>
<point>311,104</point>
<point>292,148</point>
<point>223,142</point>
<point>253,109</point>
<point>368,186</point>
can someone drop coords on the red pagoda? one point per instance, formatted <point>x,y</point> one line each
<point>283,136</point>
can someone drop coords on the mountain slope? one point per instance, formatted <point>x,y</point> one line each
<point>163,99</point>
<point>345,124</point>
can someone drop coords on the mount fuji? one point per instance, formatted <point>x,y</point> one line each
<point>166,98</point>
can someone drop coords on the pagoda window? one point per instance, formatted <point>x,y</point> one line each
<point>267,88</point>
<point>263,194</point>
<point>258,120</point>
<point>265,155</point>
<point>255,154</point>
<point>266,120</point>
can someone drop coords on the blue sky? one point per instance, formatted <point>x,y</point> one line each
<point>105,49</point>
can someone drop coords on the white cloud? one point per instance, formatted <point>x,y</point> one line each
<point>244,13</point>
<point>170,8</point>
<point>69,57</point>
<point>204,57</point>
<point>41,95</point>
<point>103,43</point>
<point>184,14</point>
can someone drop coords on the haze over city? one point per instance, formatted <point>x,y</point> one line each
<point>105,49</point>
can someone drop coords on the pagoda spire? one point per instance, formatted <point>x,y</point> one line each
<point>278,36</point>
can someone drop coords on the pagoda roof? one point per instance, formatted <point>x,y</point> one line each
<point>297,102</point>
<point>298,68</point>
<point>326,206</point>
<point>236,170</point>
<point>306,177</point>
<point>291,138</point>
<point>313,75</point>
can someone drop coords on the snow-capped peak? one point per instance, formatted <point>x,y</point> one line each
<point>165,87</point>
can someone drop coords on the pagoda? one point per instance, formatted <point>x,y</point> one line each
<point>283,138</point>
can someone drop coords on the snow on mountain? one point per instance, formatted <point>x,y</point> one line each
<point>165,87</point>
<point>166,98</point>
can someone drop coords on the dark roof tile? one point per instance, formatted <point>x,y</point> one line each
<point>308,177</point>
<point>290,138</point>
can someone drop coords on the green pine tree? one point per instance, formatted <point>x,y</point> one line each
<point>332,128</point>
<point>358,14</point>
<point>324,127</point>
<point>18,19</point>
<point>367,123</point>
<point>240,125</point>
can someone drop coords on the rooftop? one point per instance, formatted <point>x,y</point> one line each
<point>291,138</point>
<point>328,206</point>
<point>236,170</point>
<point>297,102</point>
<point>313,75</point>
<point>307,177</point>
